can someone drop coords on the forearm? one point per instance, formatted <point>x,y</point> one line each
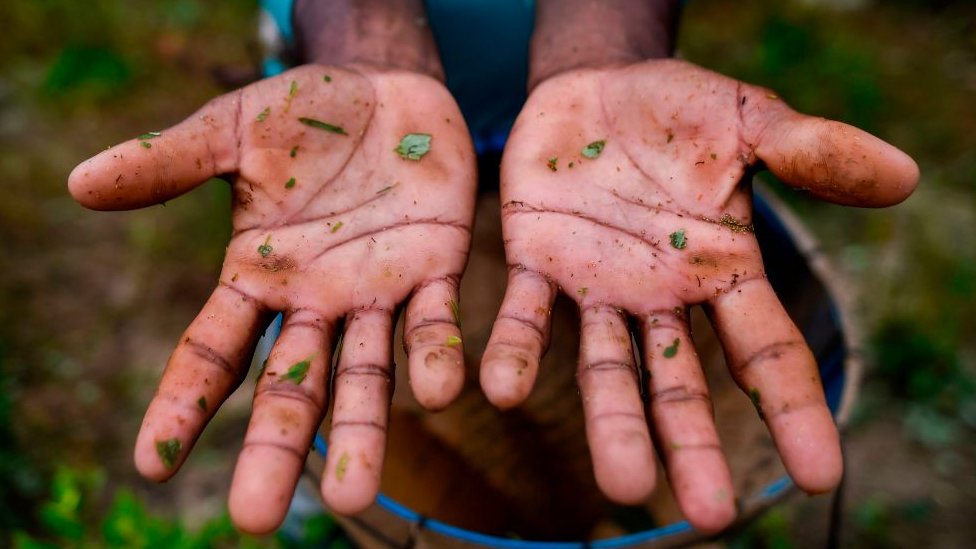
<point>572,34</point>
<point>371,32</point>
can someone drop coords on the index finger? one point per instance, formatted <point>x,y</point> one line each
<point>160,165</point>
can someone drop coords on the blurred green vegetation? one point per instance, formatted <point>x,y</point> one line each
<point>906,72</point>
<point>72,518</point>
<point>76,77</point>
<point>86,295</point>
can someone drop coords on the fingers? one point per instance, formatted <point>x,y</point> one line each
<point>616,426</point>
<point>363,386</point>
<point>771,362</point>
<point>432,339</point>
<point>834,161</point>
<point>682,415</point>
<point>518,339</point>
<point>207,365</point>
<point>289,404</point>
<point>158,166</point>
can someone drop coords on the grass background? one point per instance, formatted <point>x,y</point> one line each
<point>93,302</point>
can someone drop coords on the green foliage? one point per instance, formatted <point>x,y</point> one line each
<point>769,531</point>
<point>71,519</point>
<point>18,478</point>
<point>873,520</point>
<point>81,69</point>
<point>921,366</point>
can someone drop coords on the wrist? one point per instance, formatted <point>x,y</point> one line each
<point>378,33</point>
<point>576,34</point>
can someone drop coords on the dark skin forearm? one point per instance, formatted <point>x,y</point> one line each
<point>574,34</point>
<point>369,32</point>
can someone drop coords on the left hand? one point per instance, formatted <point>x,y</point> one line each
<point>651,218</point>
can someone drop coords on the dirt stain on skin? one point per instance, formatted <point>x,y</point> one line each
<point>277,263</point>
<point>243,199</point>
<point>704,260</point>
<point>434,358</point>
<point>287,419</point>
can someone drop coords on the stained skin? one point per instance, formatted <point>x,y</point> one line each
<point>658,221</point>
<point>331,227</point>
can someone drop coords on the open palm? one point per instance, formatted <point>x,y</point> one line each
<point>624,189</point>
<point>342,209</point>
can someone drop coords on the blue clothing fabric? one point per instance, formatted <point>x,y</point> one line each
<point>483,46</point>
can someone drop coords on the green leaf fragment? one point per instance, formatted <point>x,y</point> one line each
<point>336,227</point>
<point>594,149</point>
<point>756,399</point>
<point>319,125</point>
<point>149,135</point>
<point>265,249</point>
<point>169,451</point>
<point>678,239</point>
<point>551,163</point>
<point>455,311</point>
<point>342,466</point>
<point>583,290</point>
<point>452,341</point>
<point>294,151</point>
<point>202,403</point>
<point>670,352</point>
<point>413,146</point>
<point>327,78</point>
<point>293,90</point>
<point>297,372</point>
<point>290,183</point>
<point>146,144</point>
<point>264,114</point>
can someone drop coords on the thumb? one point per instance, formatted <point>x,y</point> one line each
<point>834,161</point>
<point>158,166</point>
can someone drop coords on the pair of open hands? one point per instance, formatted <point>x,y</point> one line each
<point>621,187</point>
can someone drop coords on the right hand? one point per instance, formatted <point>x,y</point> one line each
<point>333,228</point>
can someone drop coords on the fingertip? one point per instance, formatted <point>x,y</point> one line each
<point>627,477</point>
<point>506,381</point>
<point>158,459</point>
<point>437,375</point>
<point>245,521</point>
<point>714,516</point>
<point>348,487</point>
<point>632,491</point>
<point>256,520</point>
<point>437,399</point>
<point>258,502</point>
<point>905,175</point>
<point>822,476</point>
<point>810,447</point>
<point>80,187</point>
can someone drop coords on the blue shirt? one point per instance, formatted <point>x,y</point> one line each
<point>484,47</point>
